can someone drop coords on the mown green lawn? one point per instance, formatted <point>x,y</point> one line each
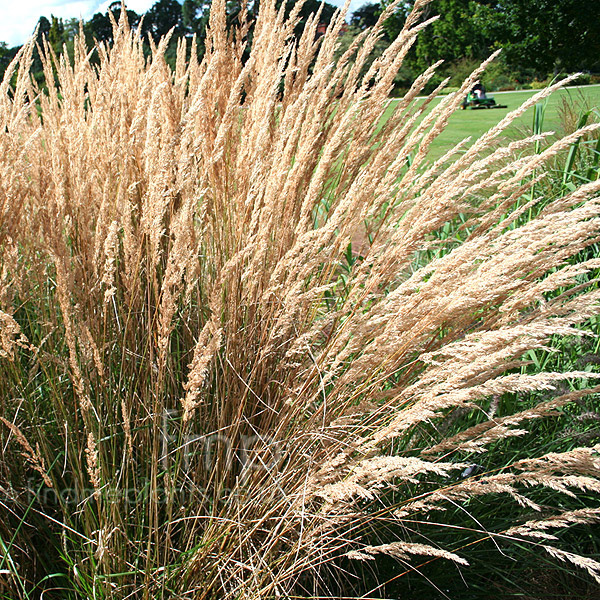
<point>473,123</point>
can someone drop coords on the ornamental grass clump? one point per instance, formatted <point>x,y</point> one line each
<point>254,345</point>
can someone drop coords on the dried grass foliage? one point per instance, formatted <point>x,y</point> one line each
<point>178,239</point>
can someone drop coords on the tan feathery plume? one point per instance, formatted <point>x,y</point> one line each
<point>32,456</point>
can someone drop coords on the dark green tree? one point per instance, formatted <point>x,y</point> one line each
<point>365,16</point>
<point>56,35</point>
<point>545,35</point>
<point>454,36</point>
<point>115,8</point>
<point>394,24</point>
<point>43,28</point>
<point>310,7</point>
<point>536,35</point>
<point>162,17</point>
<point>6,56</point>
<point>190,16</point>
<point>71,28</point>
<point>194,15</point>
<point>99,27</point>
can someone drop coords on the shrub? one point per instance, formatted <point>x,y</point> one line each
<point>538,85</point>
<point>498,77</point>
<point>252,341</point>
<point>459,70</point>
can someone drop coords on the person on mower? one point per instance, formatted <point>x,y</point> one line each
<point>475,96</point>
<point>478,91</point>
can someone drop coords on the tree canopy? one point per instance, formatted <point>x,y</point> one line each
<point>538,37</point>
<point>543,34</point>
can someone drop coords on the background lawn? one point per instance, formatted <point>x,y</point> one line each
<point>464,123</point>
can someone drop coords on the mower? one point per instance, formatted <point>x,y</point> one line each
<point>477,98</point>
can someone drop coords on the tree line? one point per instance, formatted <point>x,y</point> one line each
<point>539,38</point>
